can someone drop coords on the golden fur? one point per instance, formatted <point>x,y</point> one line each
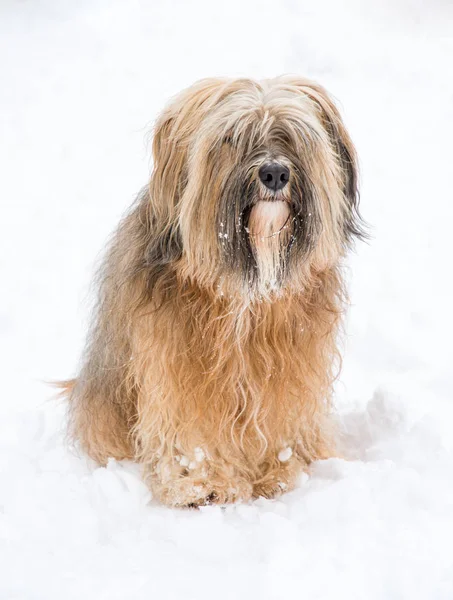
<point>214,344</point>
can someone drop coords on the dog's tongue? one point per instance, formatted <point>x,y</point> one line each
<point>268,218</point>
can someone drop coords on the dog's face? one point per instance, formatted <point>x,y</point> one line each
<point>254,184</point>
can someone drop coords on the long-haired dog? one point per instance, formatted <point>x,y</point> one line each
<point>213,348</point>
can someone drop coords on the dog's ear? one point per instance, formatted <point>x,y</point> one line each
<point>162,196</point>
<point>341,142</point>
<point>169,166</point>
<point>173,133</point>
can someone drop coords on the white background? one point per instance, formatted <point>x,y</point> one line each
<point>80,85</point>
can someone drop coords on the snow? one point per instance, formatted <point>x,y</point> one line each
<point>199,454</point>
<point>81,83</point>
<point>285,455</point>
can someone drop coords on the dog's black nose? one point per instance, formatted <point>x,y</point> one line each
<point>274,175</point>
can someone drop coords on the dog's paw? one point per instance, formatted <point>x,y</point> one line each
<point>191,491</point>
<point>281,477</point>
<point>193,479</point>
<point>270,489</point>
<point>212,498</point>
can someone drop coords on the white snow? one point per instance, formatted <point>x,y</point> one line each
<point>285,454</point>
<point>80,85</point>
<point>199,454</point>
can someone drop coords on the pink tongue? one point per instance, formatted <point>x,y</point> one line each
<point>268,218</point>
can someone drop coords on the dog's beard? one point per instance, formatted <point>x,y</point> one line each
<point>263,237</point>
<point>269,230</point>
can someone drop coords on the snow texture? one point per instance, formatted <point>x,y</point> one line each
<point>81,83</point>
<point>285,455</point>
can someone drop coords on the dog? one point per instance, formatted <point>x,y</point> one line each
<point>214,344</point>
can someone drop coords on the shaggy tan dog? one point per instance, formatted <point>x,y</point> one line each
<point>213,348</point>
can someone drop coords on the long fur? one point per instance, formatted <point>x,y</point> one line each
<point>213,348</point>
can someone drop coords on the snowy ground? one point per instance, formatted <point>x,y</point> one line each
<point>80,83</point>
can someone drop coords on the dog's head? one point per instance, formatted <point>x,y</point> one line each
<point>254,184</point>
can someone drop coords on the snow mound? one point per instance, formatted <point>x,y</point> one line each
<point>376,525</point>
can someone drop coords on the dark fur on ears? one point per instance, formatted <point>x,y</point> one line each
<point>354,225</point>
